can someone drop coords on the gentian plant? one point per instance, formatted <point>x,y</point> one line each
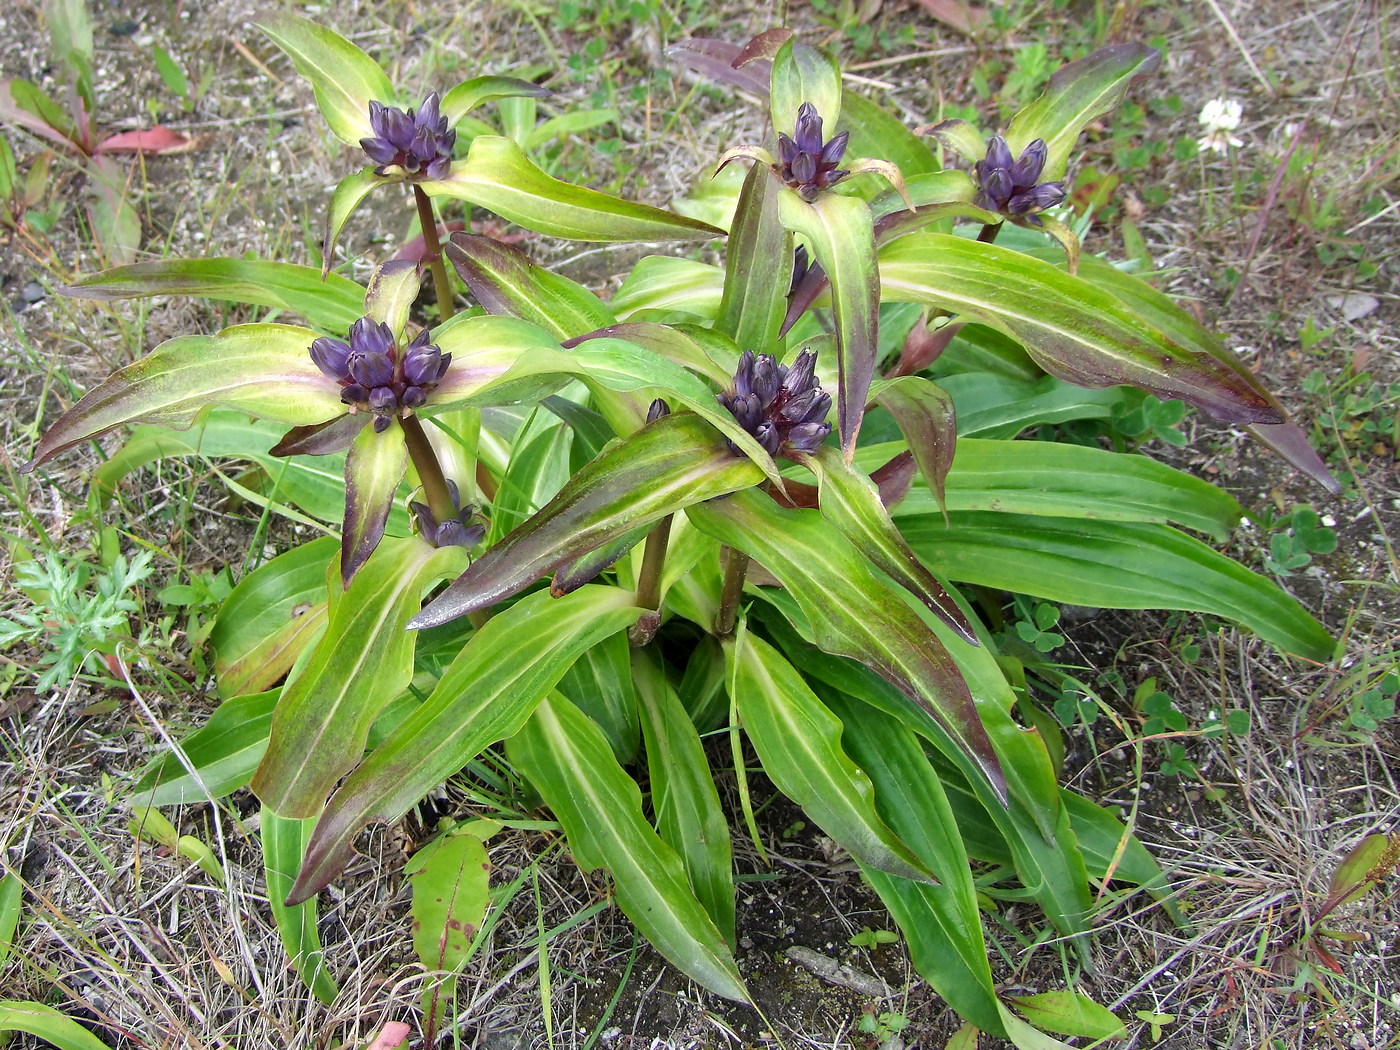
<point>725,498</point>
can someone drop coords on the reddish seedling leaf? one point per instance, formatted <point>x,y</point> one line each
<point>158,141</point>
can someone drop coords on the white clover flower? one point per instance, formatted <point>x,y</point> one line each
<point>1219,117</point>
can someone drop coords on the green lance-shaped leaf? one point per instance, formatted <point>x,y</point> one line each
<point>483,348</point>
<point>667,465</point>
<point>504,281</point>
<point>1073,481</point>
<point>799,743</point>
<point>757,266</point>
<point>345,79</point>
<point>1287,438</point>
<point>269,618</point>
<point>941,924</point>
<point>850,501</point>
<point>11,893</point>
<point>497,175</point>
<point>1111,851</point>
<point>392,289</point>
<point>599,683</point>
<point>1072,329</point>
<point>839,232</point>
<point>374,466</point>
<point>851,611</point>
<point>284,843</point>
<point>689,817</point>
<point>1070,1013</point>
<point>876,132</point>
<point>486,694</point>
<point>569,762</point>
<point>710,353</point>
<point>363,661</point>
<point>1112,564</point>
<point>666,284</point>
<point>1076,94</point>
<point>261,369</point>
<point>451,888</point>
<point>926,417</point>
<point>221,754</point>
<point>48,1024</point>
<point>803,73</point>
<point>349,192</point>
<point>331,303</point>
<point>469,94</point>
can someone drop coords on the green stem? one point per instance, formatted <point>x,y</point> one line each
<point>429,470</point>
<point>735,567</point>
<point>989,232</point>
<point>649,583</point>
<point>428,221</point>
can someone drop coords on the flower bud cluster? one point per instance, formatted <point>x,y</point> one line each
<point>783,408</point>
<point>375,375</point>
<point>458,531</point>
<point>808,164</point>
<point>417,142</point>
<point>1012,187</point>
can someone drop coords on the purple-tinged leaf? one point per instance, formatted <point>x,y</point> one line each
<point>851,503</point>
<point>838,230</point>
<point>374,467</point>
<point>718,60</point>
<point>593,564</point>
<point>364,660</point>
<point>331,303</point>
<point>869,623</point>
<point>669,464</point>
<point>322,439</point>
<point>498,175</point>
<point>892,481</point>
<point>505,281</point>
<point>1287,439</point>
<point>262,369</point>
<point>1076,94</point>
<point>1072,329</point>
<point>925,415</point>
<point>485,695</point>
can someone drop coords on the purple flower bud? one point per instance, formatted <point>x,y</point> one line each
<point>372,369</point>
<point>1009,185</point>
<point>657,409</point>
<point>806,163</point>
<point>383,401</point>
<point>331,357</point>
<point>368,336</point>
<point>420,365</point>
<point>783,408</point>
<point>417,142</point>
<point>375,374</point>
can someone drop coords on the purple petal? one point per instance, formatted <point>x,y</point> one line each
<point>372,370</point>
<point>331,357</point>
<point>1026,172</point>
<point>998,153</point>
